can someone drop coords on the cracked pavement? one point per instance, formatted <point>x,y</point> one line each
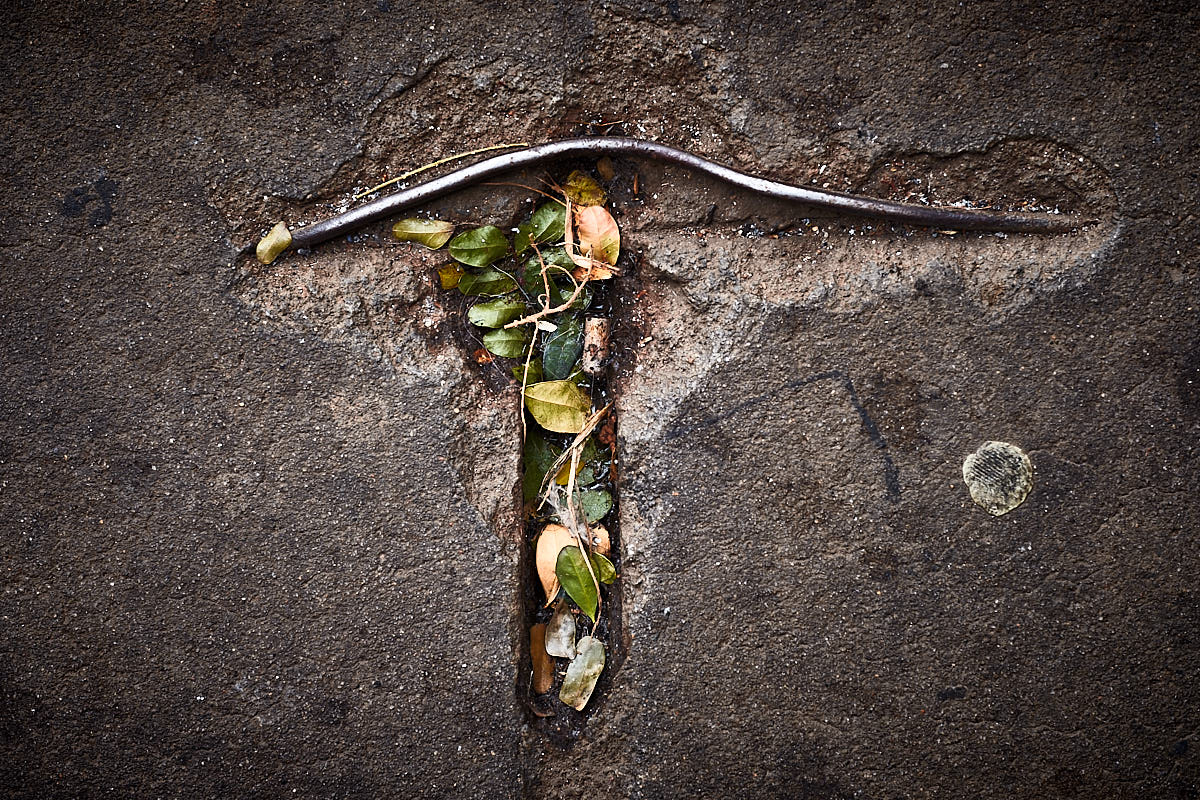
<point>259,527</point>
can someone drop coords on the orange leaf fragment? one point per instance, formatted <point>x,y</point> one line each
<point>543,664</point>
<point>552,539</point>
<point>599,243</point>
<point>600,540</point>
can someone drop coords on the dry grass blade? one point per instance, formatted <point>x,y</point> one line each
<point>438,163</point>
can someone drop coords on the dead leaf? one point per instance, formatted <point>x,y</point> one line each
<point>599,540</point>
<point>543,664</point>
<point>598,242</point>
<point>605,167</point>
<point>582,673</point>
<point>607,432</point>
<point>552,539</point>
<point>560,632</point>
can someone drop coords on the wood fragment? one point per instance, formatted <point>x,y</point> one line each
<point>595,345</point>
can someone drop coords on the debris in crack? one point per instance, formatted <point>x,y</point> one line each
<point>533,290</point>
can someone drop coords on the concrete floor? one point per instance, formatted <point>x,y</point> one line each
<point>259,527</point>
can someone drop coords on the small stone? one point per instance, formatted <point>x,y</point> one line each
<point>999,476</point>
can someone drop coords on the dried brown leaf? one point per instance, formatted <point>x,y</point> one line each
<point>543,664</point>
<point>552,539</point>
<point>598,243</point>
<point>600,540</point>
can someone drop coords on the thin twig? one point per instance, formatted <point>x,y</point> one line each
<point>584,432</point>
<point>546,310</point>
<point>573,525</point>
<point>525,382</point>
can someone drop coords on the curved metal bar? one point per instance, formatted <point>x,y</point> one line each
<point>930,216</point>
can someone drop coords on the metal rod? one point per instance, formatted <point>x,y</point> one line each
<point>929,216</point>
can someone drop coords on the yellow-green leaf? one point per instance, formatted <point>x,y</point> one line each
<point>603,568</point>
<point>584,190</point>
<point>558,406</point>
<point>495,313</point>
<point>433,233</point>
<point>450,275</point>
<point>546,224</point>
<point>489,282</point>
<point>274,243</point>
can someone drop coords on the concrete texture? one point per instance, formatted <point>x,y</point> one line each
<point>259,527</point>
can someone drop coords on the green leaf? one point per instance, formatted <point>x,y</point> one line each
<point>581,301</point>
<point>521,237</point>
<point>488,282</point>
<point>538,457</point>
<point>548,222</point>
<point>479,247</point>
<point>604,569</point>
<point>507,342</point>
<point>576,580</point>
<point>596,503</point>
<point>534,375</point>
<point>563,348</point>
<point>433,233</point>
<point>583,190</point>
<point>557,406</point>
<point>495,313</point>
<point>531,274</point>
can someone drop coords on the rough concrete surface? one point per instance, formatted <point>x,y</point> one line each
<point>259,527</point>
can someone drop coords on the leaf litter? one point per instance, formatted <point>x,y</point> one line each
<point>534,293</point>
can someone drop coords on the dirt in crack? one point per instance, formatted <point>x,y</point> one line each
<point>538,309</point>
